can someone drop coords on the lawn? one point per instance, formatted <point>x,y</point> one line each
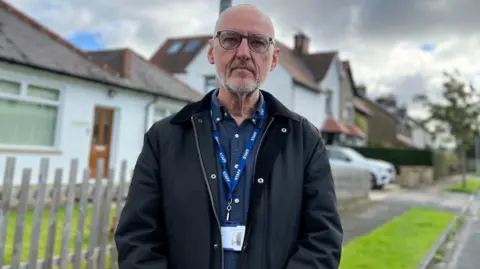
<point>44,233</point>
<point>401,243</point>
<point>471,187</point>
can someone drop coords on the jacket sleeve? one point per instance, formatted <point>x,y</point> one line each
<point>320,240</point>
<point>140,234</point>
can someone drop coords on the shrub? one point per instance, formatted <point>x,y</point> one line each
<point>399,156</point>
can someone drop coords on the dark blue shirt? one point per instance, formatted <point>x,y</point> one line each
<point>234,139</point>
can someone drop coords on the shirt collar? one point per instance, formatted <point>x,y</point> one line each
<point>220,112</point>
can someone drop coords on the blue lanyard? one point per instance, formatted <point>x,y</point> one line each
<point>232,183</point>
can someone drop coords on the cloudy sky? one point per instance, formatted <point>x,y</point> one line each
<point>399,47</point>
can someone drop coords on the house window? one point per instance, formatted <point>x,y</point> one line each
<point>211,82</point>
<point>191,46</point>
<point>340,70</point>
<point>29,117</point>
<point>175,47</point>
<point>328,105</point>
<point>348,113</point>
<point>160,111</point>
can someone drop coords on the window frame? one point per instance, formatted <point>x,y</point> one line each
<point>175,47</point>
<point>24,83</point>
<point>170,108</point>
<point>206,84</point>
<point>349,113</point>
<point>191,46</point>
<point>329,103</point>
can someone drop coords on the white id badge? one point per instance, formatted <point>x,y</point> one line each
<point>232,237</point>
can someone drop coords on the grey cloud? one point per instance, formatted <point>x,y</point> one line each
<point>382,22</point>
<point>406,87</point>
<point>365,30</point>
<point>330,23</point>
<point>413,19</point>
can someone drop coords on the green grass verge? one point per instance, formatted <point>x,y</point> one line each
<point>401,243</point>
<point>471,187</point>
<point>44,233</point>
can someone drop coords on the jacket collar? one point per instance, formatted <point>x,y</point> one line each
<point>274,107</point>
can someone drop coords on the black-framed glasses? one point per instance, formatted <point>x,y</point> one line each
<point>231,40</point>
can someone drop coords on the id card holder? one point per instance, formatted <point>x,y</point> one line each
<point>233,235</point>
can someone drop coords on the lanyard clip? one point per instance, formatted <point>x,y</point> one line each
<point>229,208</point>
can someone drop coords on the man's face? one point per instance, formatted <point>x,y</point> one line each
<point>242,64</point>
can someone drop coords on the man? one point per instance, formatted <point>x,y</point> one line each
<point>236,180</point>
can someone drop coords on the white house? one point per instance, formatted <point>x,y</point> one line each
<point>307,83</point>
<point>62,103</point>
<point>421,138</point>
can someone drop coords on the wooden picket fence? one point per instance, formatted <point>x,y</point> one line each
<point>104,199</point>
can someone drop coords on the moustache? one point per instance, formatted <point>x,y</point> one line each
<point>242,66</point>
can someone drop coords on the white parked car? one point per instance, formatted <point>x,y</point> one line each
<point>381,172</point>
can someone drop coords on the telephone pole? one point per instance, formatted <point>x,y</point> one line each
<point>477,155</point>
<point>224,4</point>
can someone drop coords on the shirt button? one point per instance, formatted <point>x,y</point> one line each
<point>236,166</point>
<point>237,200</point>
<point>215,246</point>
<point>236,135</point>
<point>260,180</point>
<point>284,130</point>
<point>213,176</point>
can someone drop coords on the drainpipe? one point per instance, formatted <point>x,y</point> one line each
<point>147,111</point>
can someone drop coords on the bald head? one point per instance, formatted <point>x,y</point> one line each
<point>243,64</point>
<point>246,18</point>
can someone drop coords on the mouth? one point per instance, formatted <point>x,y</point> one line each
<point>242,69</point>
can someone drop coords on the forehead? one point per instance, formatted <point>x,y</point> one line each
<point>246,21</point>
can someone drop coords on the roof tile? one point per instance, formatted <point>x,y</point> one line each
<point>145,73</point>
<point>177,62</point>
<point>24,41</point>
<point>332,125</point>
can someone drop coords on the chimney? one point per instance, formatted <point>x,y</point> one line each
<point>301,44</point>
<point>361,90</point>
<point>127,63</point>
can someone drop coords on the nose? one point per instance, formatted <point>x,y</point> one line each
<point>243,51</point>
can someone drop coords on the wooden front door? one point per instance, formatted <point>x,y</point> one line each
<point>101,140</point>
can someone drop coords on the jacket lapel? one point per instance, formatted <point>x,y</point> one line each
<point>203,129</point>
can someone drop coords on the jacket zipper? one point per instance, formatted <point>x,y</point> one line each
<point>254,168</point>
<point>208,187</point>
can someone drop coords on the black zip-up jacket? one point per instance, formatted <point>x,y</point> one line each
<point>170,218</point>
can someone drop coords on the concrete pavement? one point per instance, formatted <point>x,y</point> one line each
<point>467,252</point>
<point>363,220</point>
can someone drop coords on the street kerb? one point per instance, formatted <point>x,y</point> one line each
<point>453,262</point>
<point>443,238</point>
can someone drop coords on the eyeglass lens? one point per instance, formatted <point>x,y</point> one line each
<point>231,40</point>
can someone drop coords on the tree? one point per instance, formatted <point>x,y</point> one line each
<point>457,118</point>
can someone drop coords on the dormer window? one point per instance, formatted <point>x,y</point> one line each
<point>175,47</point>
<point>191,46</point>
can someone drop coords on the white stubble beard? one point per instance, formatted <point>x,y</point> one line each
<point>242,90</point>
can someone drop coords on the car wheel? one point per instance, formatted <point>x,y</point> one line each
<point>374,184</point>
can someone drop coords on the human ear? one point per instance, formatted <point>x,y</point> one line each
<point>211,59</point>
